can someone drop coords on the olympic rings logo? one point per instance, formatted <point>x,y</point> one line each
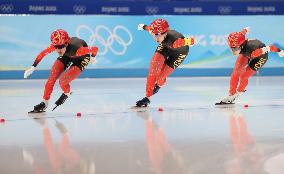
<point>97,37</point>
<point>79,9</point>
<point>225,9</point>
<point>152,10</point>
<point>6,8</point>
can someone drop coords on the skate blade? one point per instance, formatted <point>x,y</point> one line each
<point>222,103</point>
<point>135,106</point>
<point>55,107</point>
<point>139,108</point>
<point>35,112</point>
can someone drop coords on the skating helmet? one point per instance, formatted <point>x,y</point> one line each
<point>159,26</point>
<point>59,37</point>
<point>236,39</point>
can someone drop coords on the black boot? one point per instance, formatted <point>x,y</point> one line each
<point>143,103</point>
<point>156,89</point>
<point>61,100</point>
<point>39,108</point>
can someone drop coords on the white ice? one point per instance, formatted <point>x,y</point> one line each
<point>190,135</point>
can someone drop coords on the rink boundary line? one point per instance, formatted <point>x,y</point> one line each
<point>140,72</point>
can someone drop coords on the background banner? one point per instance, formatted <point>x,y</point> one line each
<point>116,7</point>
<point>121,45</point>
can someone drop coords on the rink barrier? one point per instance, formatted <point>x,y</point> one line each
<point>129,73</point>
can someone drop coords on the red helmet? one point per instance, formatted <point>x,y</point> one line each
<point>236,39</point>
<point>59,37</point>
<point>159,26</point>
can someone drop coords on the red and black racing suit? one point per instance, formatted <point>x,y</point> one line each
<point>246,65</point>
<point>165,60</point>
<point>75,59</point>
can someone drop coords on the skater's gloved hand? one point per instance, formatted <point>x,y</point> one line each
<point>245,30</point>
<point>140,26</point>
<point>29,71</point>
<point>281,53</point>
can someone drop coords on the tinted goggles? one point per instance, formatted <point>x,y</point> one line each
<point>59,46</point>
<point>235,49</point>
<point>157,35</point>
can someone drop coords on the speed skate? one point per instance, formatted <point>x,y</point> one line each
<point>224,103</point>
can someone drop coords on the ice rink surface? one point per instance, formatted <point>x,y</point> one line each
<point>190,135</point>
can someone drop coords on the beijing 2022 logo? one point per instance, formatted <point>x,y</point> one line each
<point>115,40</point>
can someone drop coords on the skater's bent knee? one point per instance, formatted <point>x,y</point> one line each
<point>63,82</point>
